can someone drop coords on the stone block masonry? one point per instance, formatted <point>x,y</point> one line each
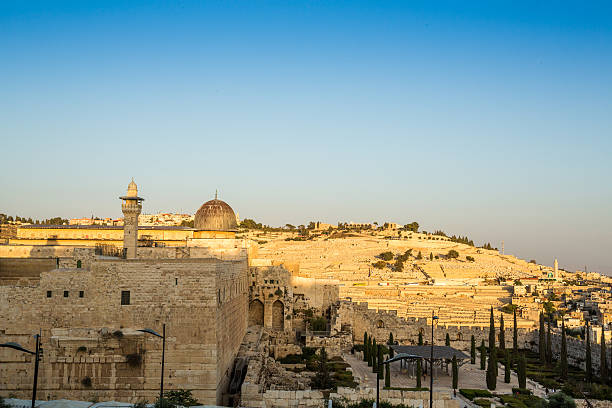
<point>89,318</point>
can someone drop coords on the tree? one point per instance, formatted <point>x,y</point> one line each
<point>588,362</point>
<point>387,376</point>
<point>473,350</point>
<point>542,340</point>
<point>483,355</point>
<point>419,256</point>
<point>603,370</point>
<point>563,352</point>
<point>181,398</point>
<point>502,333</point>
<point>447,340</point>
<point>419,373</point>
<point>431,256</point>
<point>492,363</point>
<point>365,346</point>
<point>522,375</point>
<point>420,339</point>
<point>515,336</point>
<point>390,343</point>
<point>322,379</point>
<point>549,352</point>
<point>452,254</point>
<point>455,373</point>
<point>370,351</point>
<point>507,367</point>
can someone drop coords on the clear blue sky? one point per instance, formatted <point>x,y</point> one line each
<point>487,119</point>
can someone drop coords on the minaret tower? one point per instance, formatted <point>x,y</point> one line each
<point>556,269</point>
<point>131,206</point>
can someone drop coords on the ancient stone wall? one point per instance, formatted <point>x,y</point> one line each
<point>270,297</point>
<point>406,330</point>
<point>79,311</point>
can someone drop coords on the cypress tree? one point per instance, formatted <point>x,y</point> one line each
<point>542,340</point>
<point>492,363</point>
<point>455,373</point>
<point>390,343</point>
<point>515,336</point>
<point>473,351</point>
<point>483,355</point>
<point>507,367</point>
<point>420,339</point>
<point>603,371</point>
<point>549,351</point>
<point>419,373</point>
<point>374,356</point>
<point>502,333</point>
<point>387,376</point>
<point>589,362</point>
<point>365,346</point>
<point>563,352</point>
<point>370,351</point>
<point>522,377</point>
<point>447,340</point>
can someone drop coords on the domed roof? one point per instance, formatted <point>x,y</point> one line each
<point>215,215</point>
<point>132,189</point>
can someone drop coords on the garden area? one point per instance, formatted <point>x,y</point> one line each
<point>330,373</point>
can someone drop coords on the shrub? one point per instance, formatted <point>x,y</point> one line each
<point>86,382</point>
<point>82,349</point>
<point>470,258</point>
<point>521,391</point>
<point>485,403</point>
<point>3,404</point>
<point>140,404</point>
<point>118,334</point>
<point>560,400</point>
<point>180,397</point>
<point>379,264</point>
<point>452,254</point>
<point>386,256</point>
<point>474,393</point>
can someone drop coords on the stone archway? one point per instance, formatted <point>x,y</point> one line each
<point>278,315</point>
<point>256,313</point>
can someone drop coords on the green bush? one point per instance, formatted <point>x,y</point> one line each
<point>560,400</point>
<point>470,393</point>
<point>523,401</point>
<point>386,256</point>
<point>180,397</point>
<point>521,391</point>
<point>483,402</point>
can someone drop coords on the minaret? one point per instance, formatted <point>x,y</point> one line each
<point>555,273</point>
<point>131,207</point>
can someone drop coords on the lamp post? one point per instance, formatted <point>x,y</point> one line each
<point>17,346</point>
<point>163,337</point>
<point>433,318</point>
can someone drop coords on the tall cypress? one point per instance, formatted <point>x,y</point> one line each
<point>380,362</point>
<point>365,346</point>
<point>483,355</point>
<point>522,375</point>
<point>419,373</point>
<point>420,339</point>
<point>589,362</point>
<point>455,373</point>
<point>502,333</point>
<point>549,351</point>
<point>542,340</point>
<point>492,363</point>
<point>603,359</point>
<point>515,336</point>
<point>563,352</point>
<point>507,367</point>
<point>473,350</point>
<point>447,340</point>
<point>370,351</point>
<point>387,376</point>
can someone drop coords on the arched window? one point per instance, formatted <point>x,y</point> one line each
<point>380,324</point>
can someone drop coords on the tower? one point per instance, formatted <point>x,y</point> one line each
<point>555,273</point>
<point>131,206</point>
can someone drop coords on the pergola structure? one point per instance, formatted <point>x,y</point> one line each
<point>443,354</point>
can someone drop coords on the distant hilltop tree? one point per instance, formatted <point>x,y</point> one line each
<point>250,224</point>
<point>452,254</point>
<point>18,219</point>
<point>413,227</point>
<point>186,223</point>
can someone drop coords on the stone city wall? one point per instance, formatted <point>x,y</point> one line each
<point>576,350</point>
<point>406,330</point>
<point>79,310</point>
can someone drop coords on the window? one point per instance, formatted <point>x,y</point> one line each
<point>49,293</point>
<point>81,293</point>
<point>125,297</point>
<point>66,293</point>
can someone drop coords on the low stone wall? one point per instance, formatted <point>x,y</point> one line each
<point>335,345</point>
<point>314,398</point>
<point>580,403</point>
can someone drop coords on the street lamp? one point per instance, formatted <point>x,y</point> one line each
<point>163,337</point>
<point>433,318</point>
<point>17,346</point>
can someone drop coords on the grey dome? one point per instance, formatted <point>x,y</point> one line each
<point>215,215</point>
